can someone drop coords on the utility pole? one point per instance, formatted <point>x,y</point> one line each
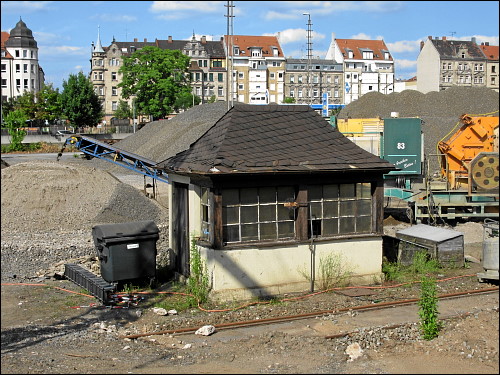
<point>309,55</point>
<point>229,55</point>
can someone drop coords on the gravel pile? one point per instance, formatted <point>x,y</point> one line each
<point>440,111</point>
<point>49,209</point>
<point>162,139</point>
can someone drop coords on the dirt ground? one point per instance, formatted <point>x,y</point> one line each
<point>47,329</point>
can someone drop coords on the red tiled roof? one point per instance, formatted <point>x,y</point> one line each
<point>5,37</point>
<point>246,41</point>
<point>491,52</point>
<point>377,46</point>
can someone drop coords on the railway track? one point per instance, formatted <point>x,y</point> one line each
<point>289,318</point>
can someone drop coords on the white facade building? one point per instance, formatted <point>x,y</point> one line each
<point>368,66</point>
<point>20,70</point>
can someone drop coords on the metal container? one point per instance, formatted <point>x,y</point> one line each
<point>444,245</point>
<point>126,250</point>
<point>489,259</point>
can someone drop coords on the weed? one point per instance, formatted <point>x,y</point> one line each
<point>198,283</point>
<point>333,271</point>
<point>428,312</point>
<point>421,265</point>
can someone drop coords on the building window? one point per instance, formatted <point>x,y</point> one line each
<point>300,95</point>
<point>114,91</point>
<point>493,81</point>
<point>292,93</point>
<point>315,93</point>
<point>300,79</point>
<point>114,76</point>
<point>340,209</point>
<point>18,68</point>
<point>17,53</point>
<point>220,91</point>
<point>292,78</point>
<point>217,63</point>
<point>220,77</point>
<point>241,87</point>
<point>114,106</point>
<point>4,67</point>
<point>26,83</point>
<point>336,93</point>
<point>241,75</point>
<point>272,76</point>
<point>4,82</point>
<point>32,84</point>
<point>257,214</point>
<point>18,83</point>
<point>25,53</point>
<point>25,68</point>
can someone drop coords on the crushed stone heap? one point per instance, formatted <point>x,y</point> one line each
<point>440,111</point>
<point>43,196</point>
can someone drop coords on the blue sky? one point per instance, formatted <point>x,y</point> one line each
<point>65,30</point>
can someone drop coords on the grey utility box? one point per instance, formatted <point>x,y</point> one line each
<point>126,250</point>
<point>444,245</point>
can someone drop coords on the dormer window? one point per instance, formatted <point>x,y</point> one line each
<point>236,50</point>
<point>350,54</point>
<point>275,51</point>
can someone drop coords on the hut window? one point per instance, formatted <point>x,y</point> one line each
<point>257,214</point>
<point>339,209</point>
<point>205,214</point>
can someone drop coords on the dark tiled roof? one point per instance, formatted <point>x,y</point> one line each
<point>451,48</point>
<point>272,138</point>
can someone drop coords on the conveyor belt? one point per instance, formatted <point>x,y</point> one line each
<point>91,147</point>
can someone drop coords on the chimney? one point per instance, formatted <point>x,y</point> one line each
<point>421,45</point>
<point>203,39</point>
<point>429,37</point>
<point>170,38</point>
<point>486,43</point>
<point>135,40</point>
<point>444,38</point>
<point>473,39</point>
<point>145,40</point>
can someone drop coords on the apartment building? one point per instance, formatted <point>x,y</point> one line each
<point>491,53</point>
<point>208,70</point>
<point>443,63</point>
<point>368,66</point>
<point>257,64</point>
<point>20,70</point>
<point>307,84</point>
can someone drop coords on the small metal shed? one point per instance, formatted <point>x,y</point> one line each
<point>444,245</point>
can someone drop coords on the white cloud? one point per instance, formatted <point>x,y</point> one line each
<point>296,35</point>
<point>25,6</point>
<point>404,46</point>
<point>198,6</point>
<point>63,50</point>
<point>115,17</point>
<point>405,64</point>
<point>294,9</point>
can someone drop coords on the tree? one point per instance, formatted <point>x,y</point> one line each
<point>80,104</point>
<point>157,78</point>
<point>185,100</point>
<point>48,104</point>
<point>123,110</point>
<point>26,103</point>
<point>289,100</point>
<point>14,122</point>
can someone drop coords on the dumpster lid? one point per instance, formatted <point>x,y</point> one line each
<point>428,232</point>
<point>130,229</point>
